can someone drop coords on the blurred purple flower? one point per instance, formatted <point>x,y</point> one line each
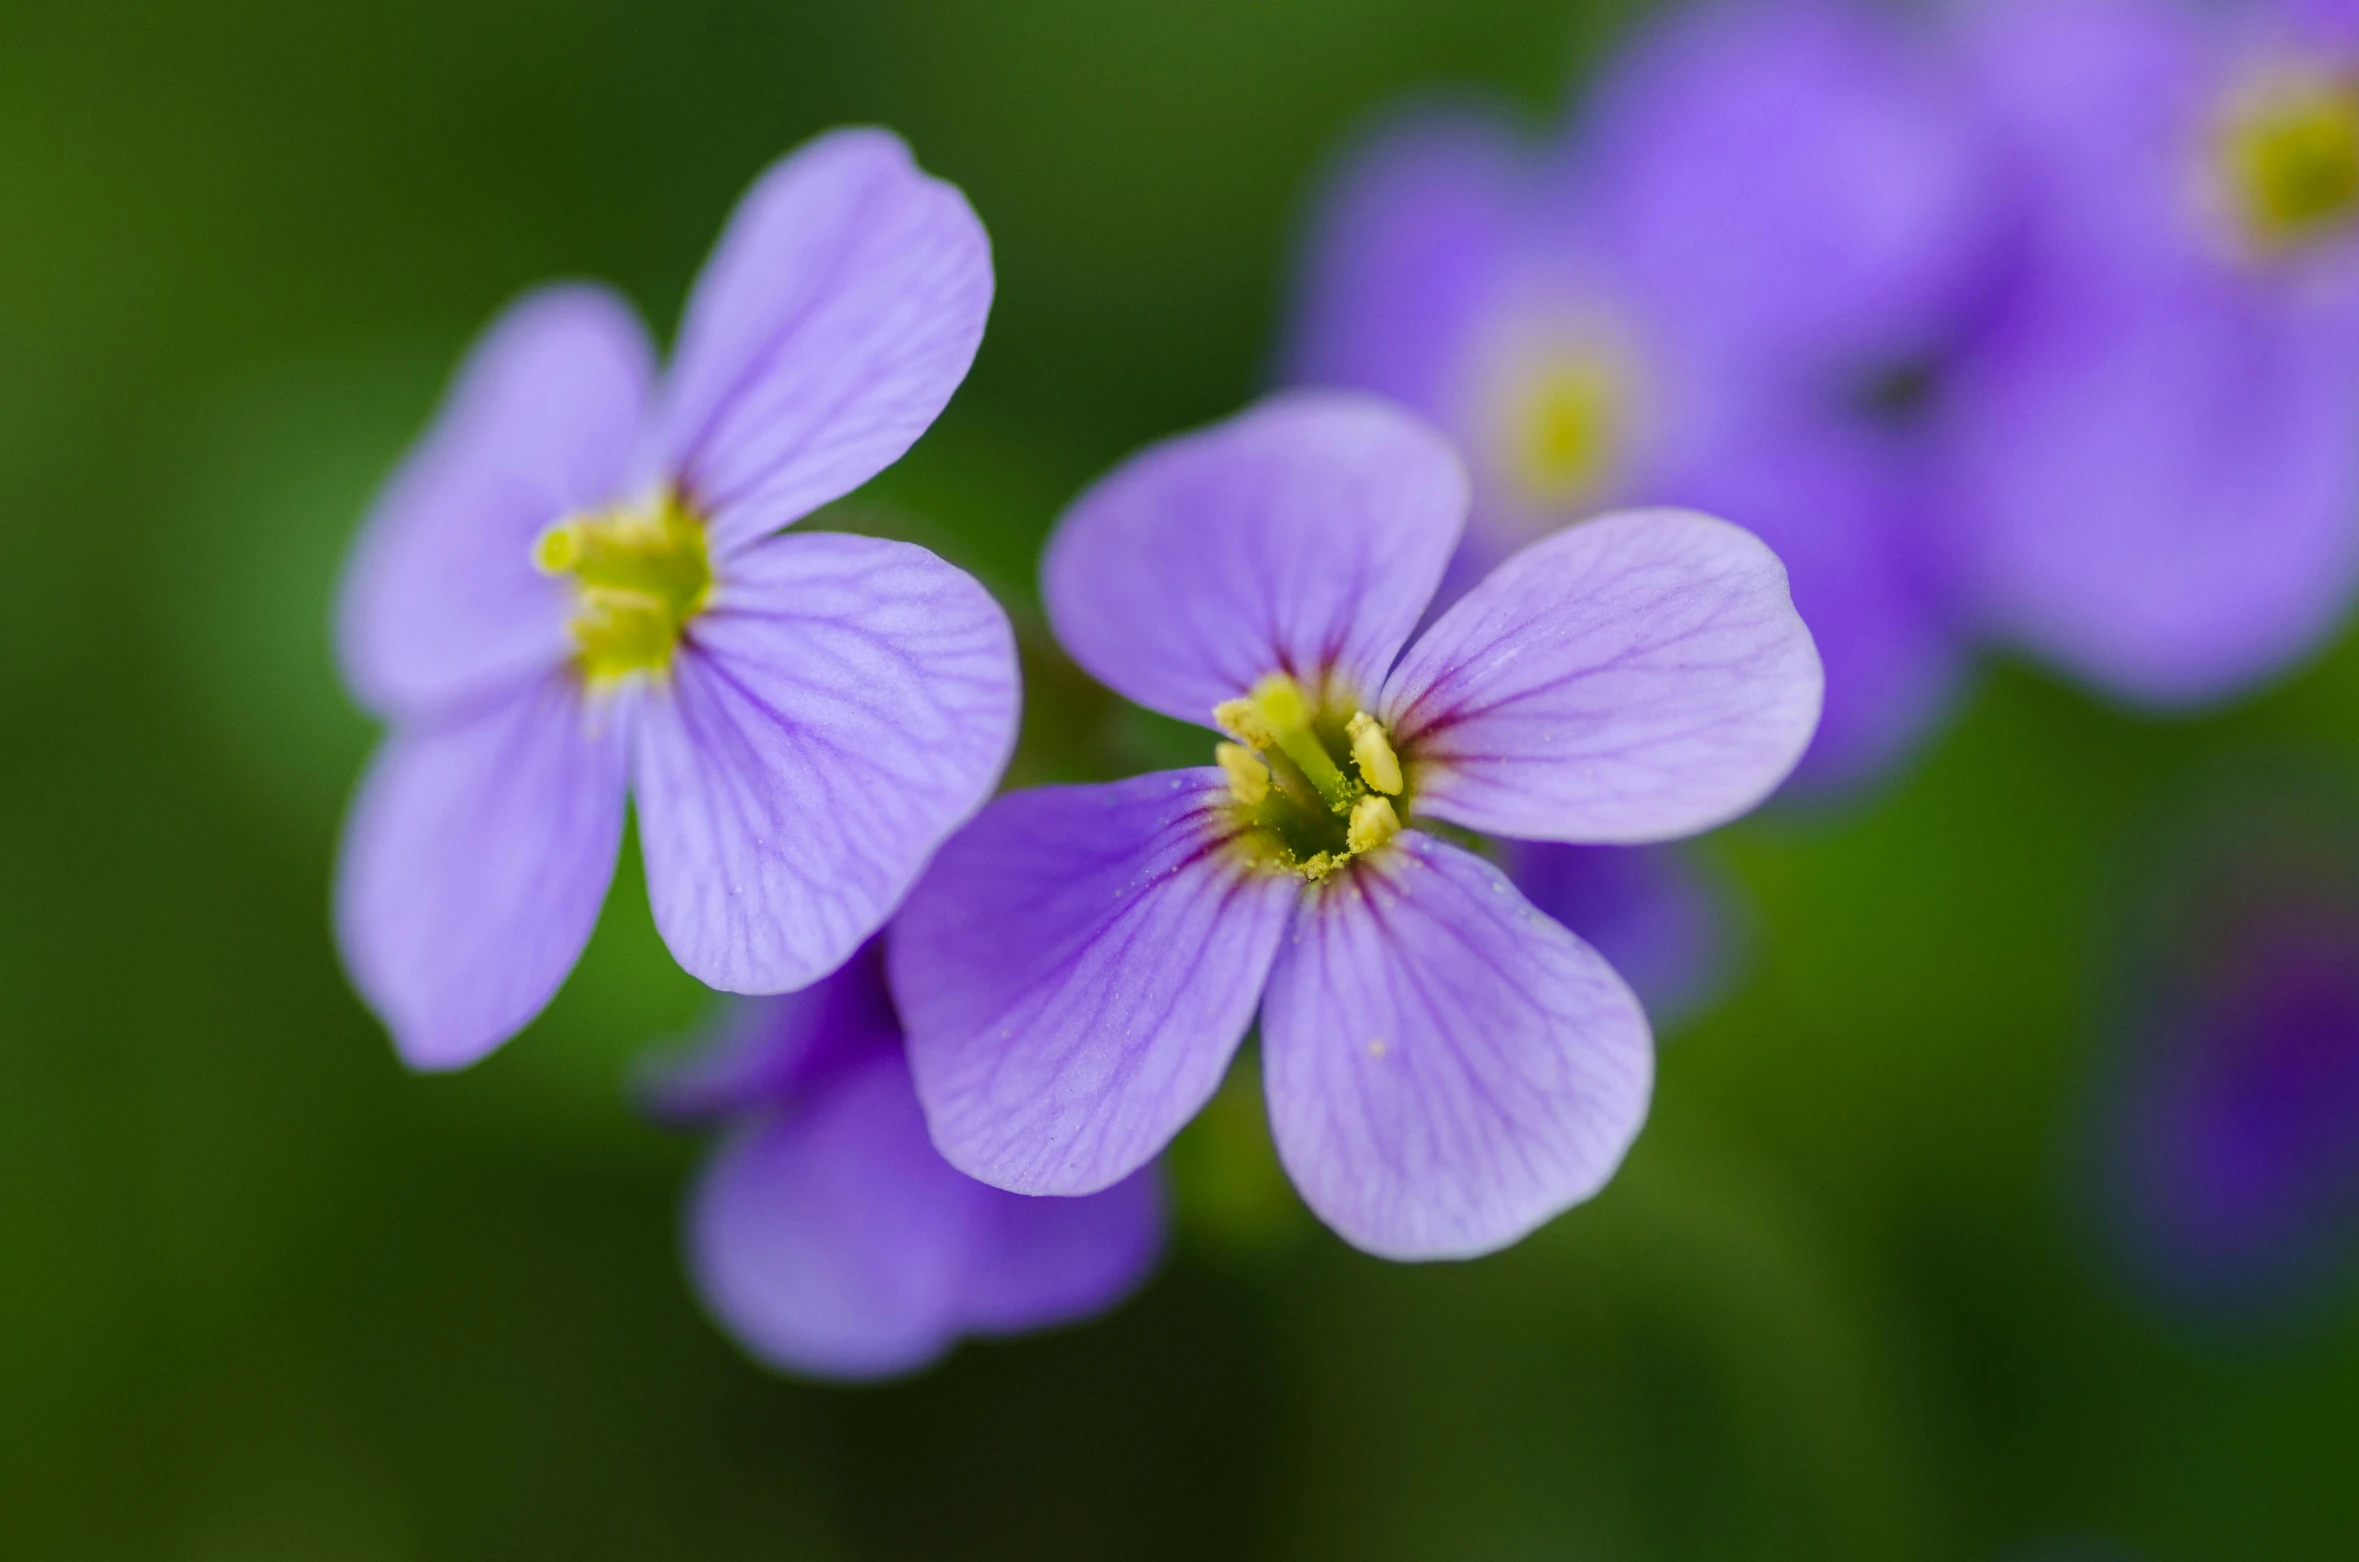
<point>1658,918</point>
<point>2151,443</point>
<point>2233,1122</point>
<point>828,1236</point>
<point>1444,1067</point>
<point>1721,293</point>
<point>571,591</point>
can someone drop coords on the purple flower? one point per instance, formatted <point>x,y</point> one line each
<point>2150,445</point>
<point>1720,292</point>
<point>828,1236</point>
<point>1659,919</point>
<point>571,591</point>
<point>2232,1123</point>
<point>1444,1066</point>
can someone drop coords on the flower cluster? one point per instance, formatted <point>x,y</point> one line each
<point>2035,326</point>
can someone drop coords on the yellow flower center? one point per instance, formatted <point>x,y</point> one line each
<point>2288,153</point>
<point>1563,420</point>
<point>640,573</point>
<point>1315,783</point>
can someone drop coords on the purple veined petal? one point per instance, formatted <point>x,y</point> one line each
<point>765,1052</point>
<point>839,312</point>
<point>1851,515</point>
<point>1305,534</point>
<point>1039,1262</point>
<point>1074,972</point>
<point>1446,1067</point>
<point>2161,493</point>
<point>1651,912</point>
<point>1403,254</point>
<point>474,862</point>
<point>832,1240</point>
<point>841,707</point>
<point>441,599</point>
<point>1636,678</point>
<point>1792,179</point>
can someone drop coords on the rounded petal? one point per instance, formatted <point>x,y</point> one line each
<point>1635,678</point>
<point>1074,972</point>
<point>1650,911</point>
<point>1850,517</point>
<point>1792,181</point>
<point>441,599</point>
<point>841,707</point>
<point>1446,1067</point>
<point>832,1240</point>
<point>1304,535</point>
<point>1039,1262</point>
<point>2161,493</point>
<point>765,1053</point>
<point>839,312</point>
<point>474,863</point>
<point>1403,255</point>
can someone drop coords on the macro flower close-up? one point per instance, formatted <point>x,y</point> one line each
<point>572,592</point>
<point>1445,1067</point>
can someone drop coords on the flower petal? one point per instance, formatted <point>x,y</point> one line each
<point>1848,514</point>
<point>833,1240</point>
<point>1638,677</point>
<point>1038,1262</point>
<point>1446,1067</point>
<point>441,598</point>
<point>843,705</point>
<point>839,312</point>
<point>766,1052</point>
<point>1651,911</point>
<point>1074,972</point>
<point>1405,254</point>
<point>473,865</point>
<point>1305,535</point>
<point>1792,182</point>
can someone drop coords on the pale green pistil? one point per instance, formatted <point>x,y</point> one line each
<point>1316,785</point>
<point>2290,155</point>
<point>640,574</point>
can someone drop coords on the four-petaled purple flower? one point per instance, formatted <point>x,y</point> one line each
<point>572,591</point>
<point>2149,447</point>
<point>1445,1067</point>
<point>828,1235</point>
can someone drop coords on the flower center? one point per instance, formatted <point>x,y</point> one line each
<point>1562,425</point>
<point>1316,784</point>
<point>2289,154</point>
<point>640,573</point>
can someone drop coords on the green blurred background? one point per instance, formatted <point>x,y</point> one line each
<point>263,1295</point>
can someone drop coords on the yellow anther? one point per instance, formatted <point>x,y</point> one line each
<point>640,573</point>
<point>2290,153</point>
<point>1564,425</point>
<point>1317,867</point>
<point>1243,718</point>
<point>1283,704</point>
<point>1249,778</point>
<point>1373,822</point>
<point>1372,751</point>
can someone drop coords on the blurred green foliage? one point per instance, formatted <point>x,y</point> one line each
<point>262,1295</point>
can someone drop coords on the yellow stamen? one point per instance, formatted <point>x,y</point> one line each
<point>2290,155</point>
<point>1564,426</point>
<point>640,574</point>
<point>1373,823</point>
<point>1249,778</point>
<point>1372,751</point>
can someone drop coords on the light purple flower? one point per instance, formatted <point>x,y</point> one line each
<point>827,1235</point>
<point>2150,446</point>
<point>1444,1066</point>
<point>572,591</point>
<point>1717,292</point>
<point>2231,1128</point>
